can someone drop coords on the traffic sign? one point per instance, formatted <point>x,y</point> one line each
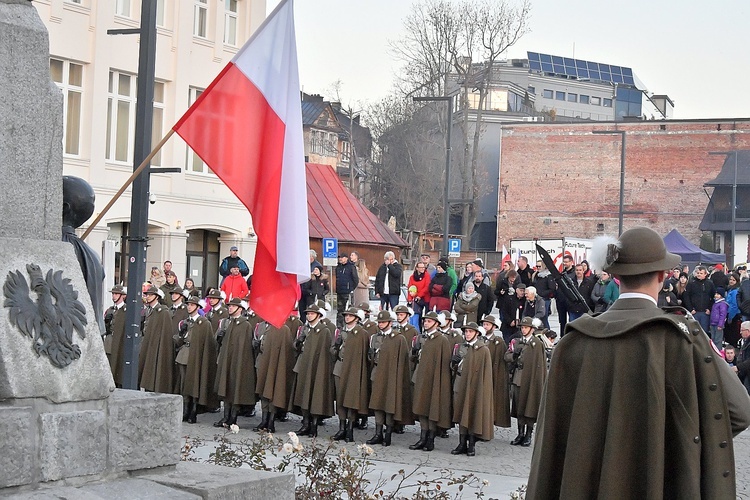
<point>454,248</point>
<point>330,251</point>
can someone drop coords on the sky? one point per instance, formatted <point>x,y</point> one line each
<point>695,52</point>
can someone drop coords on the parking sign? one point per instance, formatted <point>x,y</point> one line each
<point>330,251</point>
<point>454,248</point>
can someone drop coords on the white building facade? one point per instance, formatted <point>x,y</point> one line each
<point>195,218</point>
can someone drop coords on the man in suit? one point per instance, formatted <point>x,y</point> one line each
<point>637,402</point>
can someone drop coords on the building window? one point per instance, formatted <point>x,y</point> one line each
<point>120,117</point>
<point>559,96</point>
<point>69,77</point>
<point>572,97</point>
<point>160,13</point>
<point>346,149</point>
<point>547,94</point>
<point>532,90</point>
<point>583,99</point>
<point>596,101</point>
<point>200,21</point>
<point>122,8</point>
<point>230,22</point>
<point>157,122</point>
<point>194,162</point>
<point>607,103</point>
<point>74,1</point>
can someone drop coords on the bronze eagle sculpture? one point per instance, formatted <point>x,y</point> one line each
<point>50,321</point>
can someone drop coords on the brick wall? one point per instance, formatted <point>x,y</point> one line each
<point>562,180</point>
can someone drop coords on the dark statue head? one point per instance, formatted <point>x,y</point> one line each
<point>78,201</point>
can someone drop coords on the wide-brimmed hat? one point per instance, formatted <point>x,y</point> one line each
<point>364,306</point>
<point>384,316</point>
<point>236,301</point>
<point>403,309</point>
<point>432,315</point>
<point>448,315</point>
<point>194,299</point>
<point>123,290</point>
<point>532,322</point>
<point>491,319</point>
<point>353,311</point>
<point>312,308</point>
<point>323,305</point>
<point>152,290</point>
<point>471,325</point>
<point>215,294</point>
<point>177,289</point>
<point>637,251</point>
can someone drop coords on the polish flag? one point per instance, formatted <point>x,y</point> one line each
<point>247,127</point>
<point>506,256</point>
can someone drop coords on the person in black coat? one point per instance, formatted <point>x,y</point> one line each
<point>346,281</point>
<point>514,306</point>
<point>388,281</point>
<point>485,305</point>
<point>699,297</point>
<point>585,287</point>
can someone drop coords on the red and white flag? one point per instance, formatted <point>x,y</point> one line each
<point>506,256</point>
<point>247,127</point>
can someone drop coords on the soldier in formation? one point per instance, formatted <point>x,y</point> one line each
<point>114,328</point>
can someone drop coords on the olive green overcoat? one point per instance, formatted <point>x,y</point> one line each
<point>473,405</point>
<point>117,345</point>
<point>200,374</point>
<point>235,376</point>
<point>313,390</point>
<point>497,347</point>
<point>432,380</point>
<point>529,376</point>
<point>391,384</point>
<point>274,366</point>
<point>353,391</point>
<point>638,405</point>
<point>156,358</point>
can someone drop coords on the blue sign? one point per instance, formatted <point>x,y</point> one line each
<point>454,248</point>
<point>330,251</point>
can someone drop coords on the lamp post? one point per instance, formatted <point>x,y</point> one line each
<point>446,201</point>
<point>621,133</point>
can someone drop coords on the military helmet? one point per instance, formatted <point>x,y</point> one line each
<point>384,316</point>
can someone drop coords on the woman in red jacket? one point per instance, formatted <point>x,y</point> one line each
<point>419,289</point>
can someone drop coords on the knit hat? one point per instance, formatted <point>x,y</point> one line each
<point>721,291</point>
<point>443,264</point>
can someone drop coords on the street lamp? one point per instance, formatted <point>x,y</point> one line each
<point>622,172</point>
<point>446,201</point>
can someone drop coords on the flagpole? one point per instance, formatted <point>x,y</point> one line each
<point>128,182</point>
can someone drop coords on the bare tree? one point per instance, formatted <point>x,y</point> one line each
<point>453,47</point>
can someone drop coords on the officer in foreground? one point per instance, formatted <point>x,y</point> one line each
<point>638,404</point>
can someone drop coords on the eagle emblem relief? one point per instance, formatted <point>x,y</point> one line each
<point>50,320</point>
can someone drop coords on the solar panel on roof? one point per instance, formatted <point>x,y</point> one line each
<point>578,68</point>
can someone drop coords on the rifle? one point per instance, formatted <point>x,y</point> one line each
<point>564,283</point>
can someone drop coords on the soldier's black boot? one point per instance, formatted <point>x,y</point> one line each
<point>349,438</point>
<point>429,445</point>
<point>226,417</point>
<point>461,448</point>
<point>193,416</point>
<point>422,440</point>
<point>378,437</point>
<point>527,437</point>
<point>271,423</point>
<point>314,422</point>
<point>341,434</point>
<point>185,408</point>
<point>263,424</point>
<point>443,433</point>
<point>470,451</point>
<point>519,439</point>
<point>387,436</point>
<point>305,429</point>
<point>233,414</point>
<point>362,423</point>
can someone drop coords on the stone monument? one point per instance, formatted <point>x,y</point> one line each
<point>65,430</point>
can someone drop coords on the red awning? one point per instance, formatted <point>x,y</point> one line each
<point>335,213</point>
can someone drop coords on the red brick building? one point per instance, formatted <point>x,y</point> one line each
<point>562,180</point>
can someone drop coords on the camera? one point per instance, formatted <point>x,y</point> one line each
<point>152,198</point>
